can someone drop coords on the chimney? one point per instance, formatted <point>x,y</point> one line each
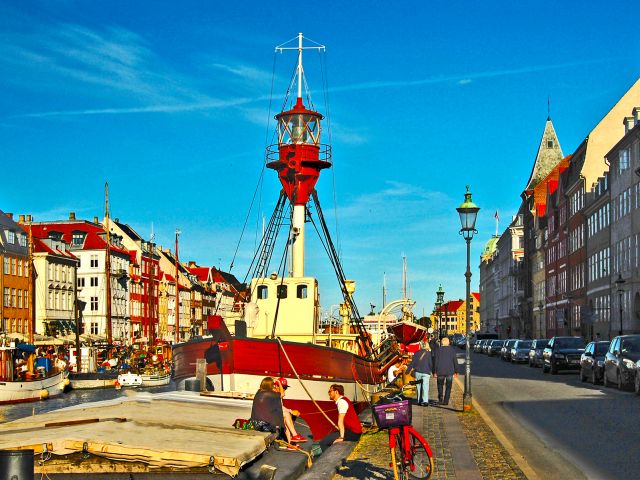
<point>629,123</point>
<point>29,219</point>
<point>10,215</point>
<point>95,220</point>
<point>21,219</point>
<point>636,114</point>
<point>72,215</point>
<point>192,264</point>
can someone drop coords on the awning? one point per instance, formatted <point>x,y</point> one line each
<point>63,324</point>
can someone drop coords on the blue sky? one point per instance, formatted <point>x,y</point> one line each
<point>169,102</point>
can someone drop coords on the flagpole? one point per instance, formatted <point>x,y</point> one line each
<point>497,217</point>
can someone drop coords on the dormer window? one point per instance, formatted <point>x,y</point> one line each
<point>11,236</point>
<point>77,239</point>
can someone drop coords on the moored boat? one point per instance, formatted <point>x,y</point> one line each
<point>24,383</point>
<point>280,332</point>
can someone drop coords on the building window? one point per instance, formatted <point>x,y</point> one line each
<point>94,328</point>
<point>80,282</point>
<point>94,304</point>
<point>22,239</point>
<point>6,265</point>
<point>301,291</point>
<point>94,261</point>
<point>6,297</point>
<point>19,298</point>
<point>25,295</point>
<point>14,264</point>
<point>11,237</point>
<point>549,143</point>
<point>13,297</point>
<point>263,292</point>
<point>94,281</point>
<point>623,160</point>
<point>281,291</point>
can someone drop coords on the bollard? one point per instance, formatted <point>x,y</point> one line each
<point>16,464</point>
<point>192,385</point>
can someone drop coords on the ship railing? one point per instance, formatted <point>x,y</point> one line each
<point>273,152</point>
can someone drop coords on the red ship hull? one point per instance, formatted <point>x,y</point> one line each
<point>246,361</point>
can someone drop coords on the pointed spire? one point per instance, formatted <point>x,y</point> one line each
<point>548,156</point>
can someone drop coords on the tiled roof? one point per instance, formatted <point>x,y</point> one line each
<point>94,234</point>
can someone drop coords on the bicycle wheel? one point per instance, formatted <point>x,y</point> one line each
<point>422,461</point>
<point>397,460</point>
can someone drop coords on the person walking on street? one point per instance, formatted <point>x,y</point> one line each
<point>446,367</point>
<point>349,426</point>
<point>422,364</point>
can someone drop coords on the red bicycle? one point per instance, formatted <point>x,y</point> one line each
<point>411,455</point>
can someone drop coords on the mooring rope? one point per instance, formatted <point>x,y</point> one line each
<point>304,386</point>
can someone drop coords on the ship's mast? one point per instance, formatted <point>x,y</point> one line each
<point>151,292</point>
<point>177,306</point>
<point>31,273</point>
<point>107,265</point>
<point>299,159</point>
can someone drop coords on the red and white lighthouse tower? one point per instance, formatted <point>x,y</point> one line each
<point>298,159</point>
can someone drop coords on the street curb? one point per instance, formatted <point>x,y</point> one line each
<point>518,458</point>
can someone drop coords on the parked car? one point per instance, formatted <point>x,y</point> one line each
<point>620,361</point>
<point>477,347</point>
<point>562,353</point>
<point>487,346</point>
<point>505,352</point>
<point>592,361</point>
<point>535,353</point>
<point>494,347</point>
<point>520,351</point>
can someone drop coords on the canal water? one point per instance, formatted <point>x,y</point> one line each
<point>73,397</point>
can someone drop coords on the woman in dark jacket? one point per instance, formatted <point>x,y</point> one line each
<point>266,411</point>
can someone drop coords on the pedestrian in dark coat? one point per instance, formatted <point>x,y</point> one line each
<point>446,367</point>
<point>422,366</point>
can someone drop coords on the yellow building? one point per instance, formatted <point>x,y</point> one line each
<point>451,317</point>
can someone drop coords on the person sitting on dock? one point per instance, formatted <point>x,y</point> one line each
<point>349,426</point>
<point>266,411</point>
<point>394,374</point>
<point>280,385</point>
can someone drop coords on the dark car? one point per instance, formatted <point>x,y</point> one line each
<point>620,361</point>
<point>520,351</point>
<point>494,347</point>
<point>505,352</point>
<point>592,361</point>
<point>562,353</point>
<point>477,346</point>
<point>535,353</point>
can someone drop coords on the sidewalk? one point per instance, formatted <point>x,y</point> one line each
<point>464,447</point>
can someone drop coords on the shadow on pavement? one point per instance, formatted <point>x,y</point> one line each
<point>361,470</point>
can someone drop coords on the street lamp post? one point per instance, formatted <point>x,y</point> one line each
<point>620,282</point>
<point>439,304</point>
<point>468,212</point>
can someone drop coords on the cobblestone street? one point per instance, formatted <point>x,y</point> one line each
<point>371,458</point>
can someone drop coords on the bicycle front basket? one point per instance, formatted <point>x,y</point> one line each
<point>394,414</point>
